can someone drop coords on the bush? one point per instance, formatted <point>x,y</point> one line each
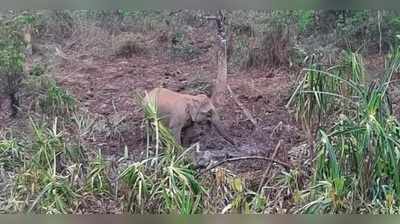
<point>37,70</point>
<point>57,101</point>
<point>261,38</point>
<point>127,45</point>
<point>181,47</point>
<point>11,61</point>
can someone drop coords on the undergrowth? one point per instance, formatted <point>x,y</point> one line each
<point>357,158</point>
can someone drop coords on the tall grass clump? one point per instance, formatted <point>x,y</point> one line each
<point>357,146</point>
<point>11,153</point>
<point>163,182</point>
<point>45,179</point>
<point>161,134</point>
<point>97,180</point>
<point>57,101</point>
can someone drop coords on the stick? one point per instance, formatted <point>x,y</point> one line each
<point>245,111</point>
<point>286,165</point>
<point>269,166</point>
<point>279,125</point>
<point>380,31</point>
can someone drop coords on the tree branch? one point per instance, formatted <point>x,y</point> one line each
<point>269,166</point>
<point>245,111</point>
<point>286,165</point>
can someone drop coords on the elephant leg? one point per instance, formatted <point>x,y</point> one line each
<point>176,129</point>
<point>188,135</point>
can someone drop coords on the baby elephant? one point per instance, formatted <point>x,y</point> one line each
<point>178,111</point>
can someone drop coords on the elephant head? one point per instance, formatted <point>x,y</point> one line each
<point>202,109</point>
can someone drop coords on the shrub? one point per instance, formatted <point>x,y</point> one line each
<point>57,101</point>
<point>11,61</point>
<point>127,45</point>
<point>37,70</point>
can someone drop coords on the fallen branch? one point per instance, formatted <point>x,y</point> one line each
<point>286,165</point>
<point>245,111</point>
<point>264,177</point>
<point>274,130</point>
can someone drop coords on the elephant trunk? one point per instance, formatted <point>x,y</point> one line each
<point>216,122</point>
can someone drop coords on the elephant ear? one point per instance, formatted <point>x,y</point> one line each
<point>194,109</point>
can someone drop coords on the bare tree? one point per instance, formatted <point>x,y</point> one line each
<point>220,84</point>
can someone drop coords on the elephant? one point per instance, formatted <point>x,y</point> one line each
<point>178,111</point>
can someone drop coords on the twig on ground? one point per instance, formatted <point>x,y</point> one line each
<point>276,128</point>
<point>264,177</point>
<point>245,111</point>
<point>286,165</point>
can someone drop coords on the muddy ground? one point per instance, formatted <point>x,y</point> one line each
<point>107,87</point>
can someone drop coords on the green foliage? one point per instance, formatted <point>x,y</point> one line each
<point>56,195</point>
<point>394,22</point>
<point>182,48</point>
<point>170,182</point>
<point>231,194</point>
<point>97,180</point>
<point>357,157</point>
<point>305,19</point>
<point>47,146</point>
<point>312,96</point>
<point>348,23</point>
<point>11,49</point>
<point>57,101</point>
<point>318,92</point>
<point>139,186</point>
<point>11,61</point>
<point>37,70</point>
<point>11,153</point>
<point>43,182</point>
<point>367,28</point>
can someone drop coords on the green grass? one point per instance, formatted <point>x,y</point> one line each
<point>56,195</point>
<point>44,181</point>
<point>97,180</point>
<point>357,160</point>
<point>11,153</point>
<point>57,101</point>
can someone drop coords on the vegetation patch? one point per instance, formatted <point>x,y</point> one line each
<point>356,158</point>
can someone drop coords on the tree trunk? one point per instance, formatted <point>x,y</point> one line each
<point>221,79</point>
<point>220,83</point>
<point>28,39</point>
